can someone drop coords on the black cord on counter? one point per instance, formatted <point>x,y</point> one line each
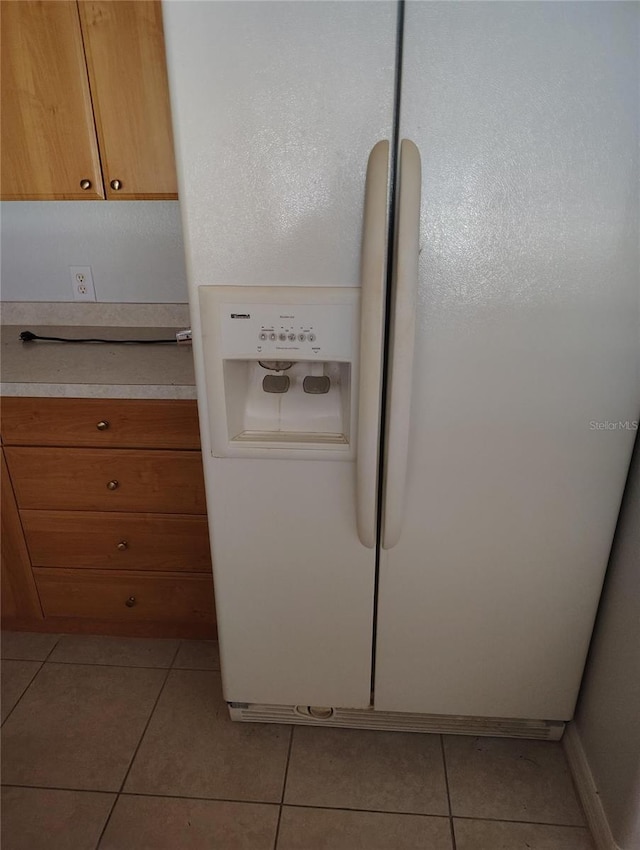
<point>29,336</point>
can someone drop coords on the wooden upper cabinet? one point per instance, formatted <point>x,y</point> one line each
<point>124,45</point>
<point>48,135</point>
<point>85,101</point>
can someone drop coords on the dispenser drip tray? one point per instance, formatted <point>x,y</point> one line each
<point>308,438</point>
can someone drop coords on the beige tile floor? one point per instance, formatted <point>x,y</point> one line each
<point>122,744</point>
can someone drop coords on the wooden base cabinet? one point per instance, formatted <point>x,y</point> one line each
<point>117,541</point>
<point>107,479</point>
<point>18,590</point>
<point>111,537</point>
<point>126,597</point>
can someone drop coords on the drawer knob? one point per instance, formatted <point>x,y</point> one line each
<point>122,545</point>
<point>131,601</point>
<point>85,184</point>
<point>116,185</point>
<point>113,485</point>
<point>102,425</point>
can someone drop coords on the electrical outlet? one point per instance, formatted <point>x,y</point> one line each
<point>82,283</point>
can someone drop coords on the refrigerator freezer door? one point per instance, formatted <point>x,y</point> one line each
<point>276,108</point>
<point>294,585</point>
<point>526,116</point>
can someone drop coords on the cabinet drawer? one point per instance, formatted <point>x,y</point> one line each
<point>126,596</point>
<point>107,480</point>
<point>111,540</point>
<point>123,423</point>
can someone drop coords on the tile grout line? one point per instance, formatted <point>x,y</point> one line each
<point>100,664</point>
<point>108,818</point>
<point>177,652</point>
<point>32,679</point>
<point>125,666</point>
<point>151,713</point>
<point>171,665</point>
<point>135,752</point>
<point>529,822</point>
<point>163,796</point>
<point>294,805</point>
<point>29,683</point>
<point>284,788</point>
<point>42,660</point>
<point>122,666</point>
<point>446,782</point>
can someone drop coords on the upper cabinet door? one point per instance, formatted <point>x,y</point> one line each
<point>49,147</point>
<point>124,45</point>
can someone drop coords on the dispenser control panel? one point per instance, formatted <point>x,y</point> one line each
<point>298,331</point>
<point>260,404</point>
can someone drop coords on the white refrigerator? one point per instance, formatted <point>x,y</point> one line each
<point>411,235</point>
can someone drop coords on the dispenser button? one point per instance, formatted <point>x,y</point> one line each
<point>282,337</point>
<point>302,337</point>
<point>312,337</point>
<point>272,337</point>
<point>262,336</point>
<point>291,337</point>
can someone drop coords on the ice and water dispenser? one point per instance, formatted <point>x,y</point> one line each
<point>281,366</point>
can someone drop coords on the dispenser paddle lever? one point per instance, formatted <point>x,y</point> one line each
<point>316,384</point>
<point>275,383</point>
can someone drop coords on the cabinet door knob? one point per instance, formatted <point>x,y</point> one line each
<point>131,601</point>
<point>116,185</point>
<point>113,485</point>
<point>102,425</point>
<point>85,184</point>
<point>122,545</point>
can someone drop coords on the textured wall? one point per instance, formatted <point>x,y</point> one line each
<point>609,707</point>
<point>134,248</point>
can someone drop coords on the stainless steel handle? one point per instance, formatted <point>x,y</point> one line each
<point>403,330</point>
<point>85,184</point>
<point>373,269</point>
<point>116,185</point>
<point>102,425</point>
<point>113,485</point>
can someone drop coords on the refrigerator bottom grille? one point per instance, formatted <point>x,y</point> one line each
<point>363,718</point>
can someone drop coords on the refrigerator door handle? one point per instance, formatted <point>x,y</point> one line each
<point>373,269</point>
<point>402,338</point>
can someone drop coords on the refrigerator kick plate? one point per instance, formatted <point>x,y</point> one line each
<point>359,718</point>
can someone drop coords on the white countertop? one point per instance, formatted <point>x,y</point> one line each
<point>94,370</point>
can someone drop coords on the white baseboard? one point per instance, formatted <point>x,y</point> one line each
<point>587,791</point>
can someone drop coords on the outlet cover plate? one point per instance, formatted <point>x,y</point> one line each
<point>82,283</point>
